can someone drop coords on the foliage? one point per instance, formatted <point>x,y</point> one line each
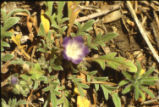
<point>102,82</point>
<point>8,23</point>
<point>138,82</point>
<point>115,62</point>
<point>12,102</point>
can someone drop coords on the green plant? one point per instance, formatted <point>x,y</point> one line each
<point>138,82</point>
<point>12,102</point>
<point>107,87</point>
<point>54,61</point>
<point>8,22</point>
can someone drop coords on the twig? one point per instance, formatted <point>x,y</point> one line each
<point>104,12</point>
<point>102,82</point>
<point>156,18</point>
<point>28,99</point>
<point>156,32</point>
<point>142,31</point>
<point>151,101</point>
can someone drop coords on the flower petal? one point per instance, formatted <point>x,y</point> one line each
<point>78,39</point>
<point>14,80</point>
<point>66,40</point>
<point>74,49</point>
<point>85,50</point>
<point>77,61</point>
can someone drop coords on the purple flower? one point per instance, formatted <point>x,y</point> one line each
<point>14,80</point>
<point>74,49</point>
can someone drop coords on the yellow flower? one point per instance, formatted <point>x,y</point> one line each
<point>142,72</point>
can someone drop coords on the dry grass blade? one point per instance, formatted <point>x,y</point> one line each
<point>104,12</point>
<point>142,31</point>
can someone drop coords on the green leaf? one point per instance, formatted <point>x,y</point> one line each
<point>84,86</point>
<point>138,69</point>
<point>96,87</point>
<point>41,30</point>
<point>148,83</point>
<point>7,57</point>
<point>74,70</point>
<point>142,95</point>
<point>53,99</point>
<point>127,89</point>
<point>120,63</point>
<point>46,103</point>
<point>16,11</point>
<point>65,19</point>
<point>5,33</point>
<point>25,77</point>
<point>4,44</point>
<point>10,22</point>
<point>146,74</point>
<point>2,49</point>
<point>145,89</point>
<point>53,22</point>
<point>105,91</point>
<point>116,100</point>
<point>101,62</point>
<point>44,79</point>
<point>4,15</point>
<point>90,44</point>
<point>36,84</point>
<point>149,79</point>
<point>109,36</point>
<point>60,11</point>
<point>110,87</point>
<point>88,78</point>
<point>36,71</point>
<point>80,86</point>
<point>117,62</point>
<point>3,103</point>
<point>46,89</point>
<point>12,102</point>
<point>87,26</point>
<point>41,50</point>
<point>127,76</point>
<point>81,90</point>
<point>100,78</point>
<point>64,101</point>
<point>92,73</point>
<point>136,92</point>
<point>130,66</point>
<point>21,102</point>
<point>49,4</point>
<point>57,67</point>
<point>101,40</point>
<point>123,82</point>
<point>18,61</point>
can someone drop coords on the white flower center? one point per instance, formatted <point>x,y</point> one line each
<point>73,50</point>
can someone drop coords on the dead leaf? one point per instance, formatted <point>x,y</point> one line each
<point>112,16</point>
<point>83,102</point>
<point>45,21</point>
<point>73,11</point>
